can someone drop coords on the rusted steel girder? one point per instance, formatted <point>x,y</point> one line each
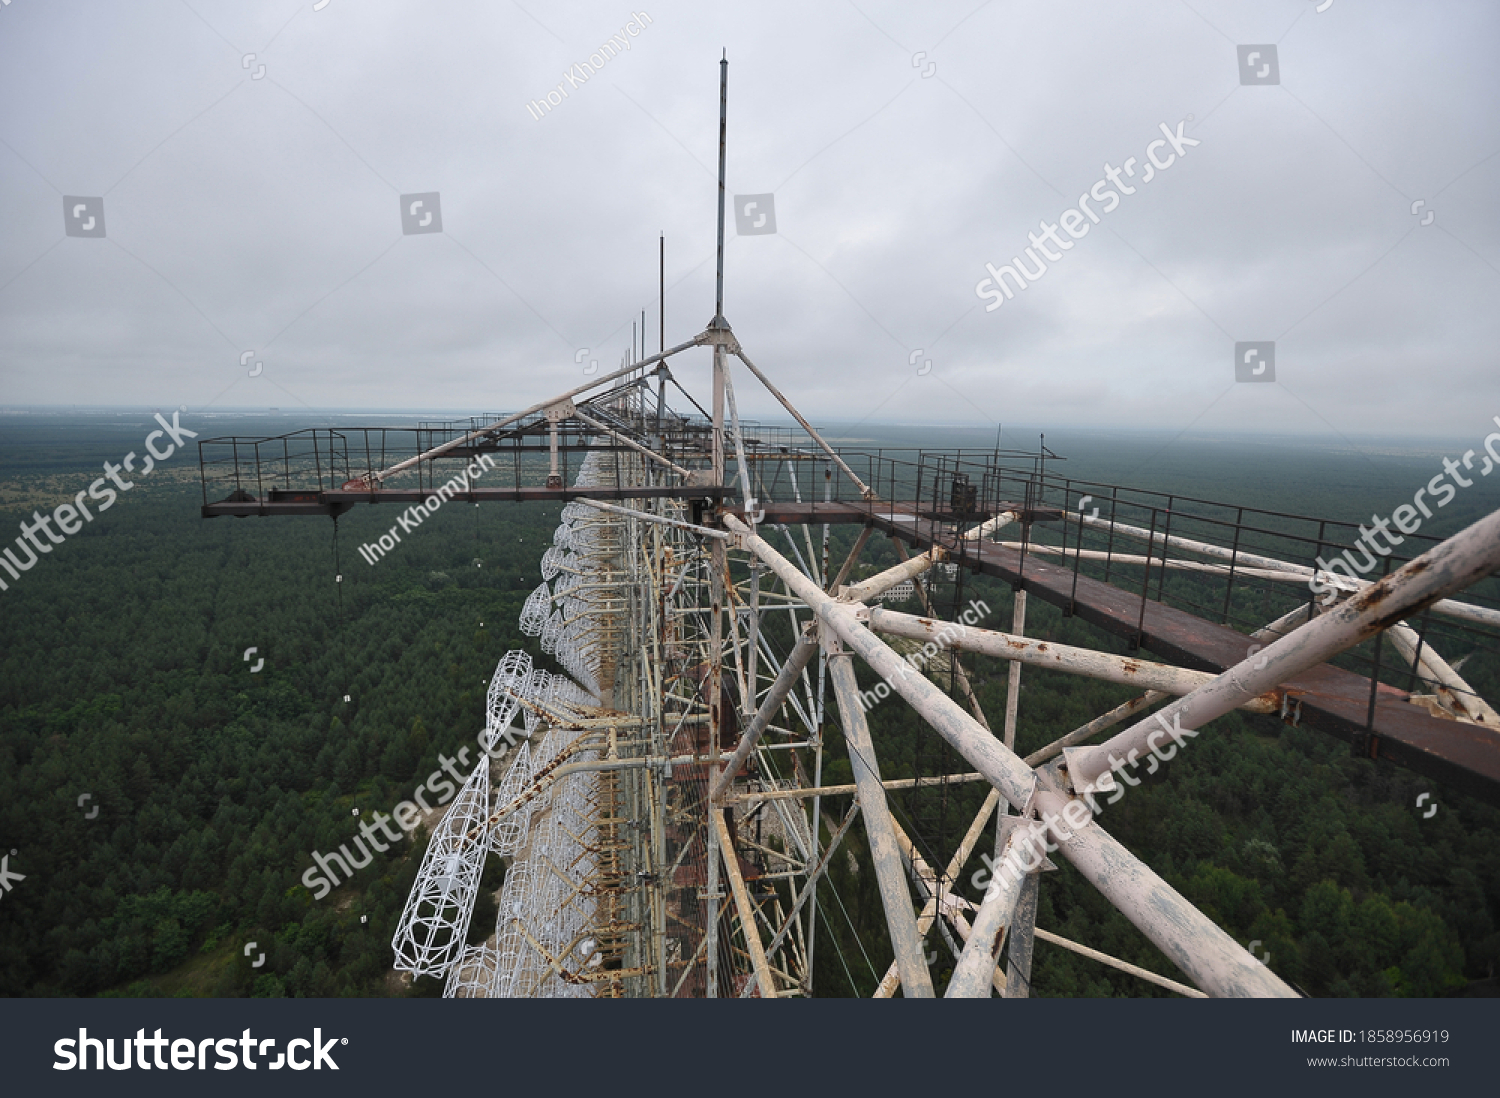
<point>745,907</point>
<point>279,501</point>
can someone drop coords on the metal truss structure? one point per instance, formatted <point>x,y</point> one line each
<point>660,801</point>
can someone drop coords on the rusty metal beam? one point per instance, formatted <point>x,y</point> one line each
<point>1331,700</point>
<point>337,501</point>
<point>746,908</point>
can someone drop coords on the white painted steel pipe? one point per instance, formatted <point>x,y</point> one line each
<point>660,520</point>
<point>906,943</point>
<point>1061,657</point>
<point>1115,962</point>
<point>973,976</point>
<point>868,589</point>
<point>878,584</point>
<point>1189,938</point>
<point>1439,673</point>
<point>865,491</point>
<point>1210,958</point>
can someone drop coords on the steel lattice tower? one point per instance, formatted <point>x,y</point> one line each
<point>660,801</point>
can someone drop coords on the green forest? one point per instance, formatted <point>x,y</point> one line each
<point>161,799</point>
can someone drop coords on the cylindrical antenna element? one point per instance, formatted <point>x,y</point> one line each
<point>723,133</point>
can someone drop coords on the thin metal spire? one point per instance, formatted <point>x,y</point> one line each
<point>718,320</point>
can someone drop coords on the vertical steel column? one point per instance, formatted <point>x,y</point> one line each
<point>802,651</point>
<point>719,569</point>
<point>554,478</point>
<point>715,725</point>
<point>894,895</point>
<point>1022,932</point>
<point>752,672</point>
<point>718,412</point>
<point>1013,684</point>
<point>661,367</point>
<point>973,974</point>
<point>812,885</point>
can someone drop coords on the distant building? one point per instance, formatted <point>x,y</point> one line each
<point>899,593</point>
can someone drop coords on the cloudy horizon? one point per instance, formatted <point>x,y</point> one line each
<point>253,170</point>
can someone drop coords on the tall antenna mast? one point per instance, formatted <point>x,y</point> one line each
<point>661,367</point>
<point>718,320</point>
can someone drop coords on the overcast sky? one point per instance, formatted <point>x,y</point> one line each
<point>254,204</point>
